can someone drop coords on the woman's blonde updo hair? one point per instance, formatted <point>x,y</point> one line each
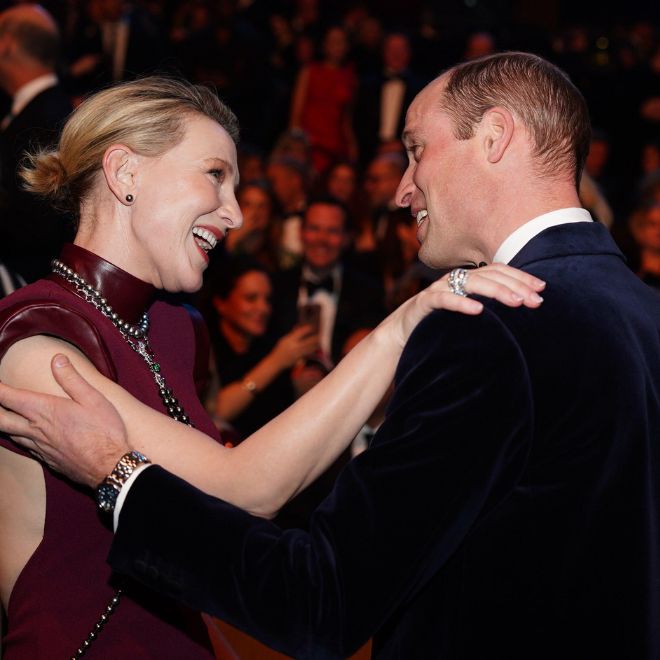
<point>146,115</point>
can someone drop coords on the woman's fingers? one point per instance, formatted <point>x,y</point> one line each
<point>526,278</point>
<point>503,283</point>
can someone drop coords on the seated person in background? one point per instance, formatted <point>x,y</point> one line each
<point>368,430</point>
<point>593,199</point>
<point>288,179</point>
<point>348,299</point>
<point>341,182</point>
<point>253,237</point>
<point>377,249</point>
<point>253,368</point>
<point>31,231</point>
<point>296,512</point>
<point>645,229</point>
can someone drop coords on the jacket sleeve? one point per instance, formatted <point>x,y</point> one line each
<point>453,444</point>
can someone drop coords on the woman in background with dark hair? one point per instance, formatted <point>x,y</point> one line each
<point>253,368</point>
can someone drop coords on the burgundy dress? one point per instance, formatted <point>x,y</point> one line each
<point>66,584</point>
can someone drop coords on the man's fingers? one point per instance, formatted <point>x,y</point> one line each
<point>11,422</point>
<point>19,401</point>
<point>71,381</point>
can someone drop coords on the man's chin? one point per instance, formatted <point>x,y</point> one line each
<point>431,260</point>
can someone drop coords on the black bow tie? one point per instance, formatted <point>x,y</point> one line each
<point>326,284</point>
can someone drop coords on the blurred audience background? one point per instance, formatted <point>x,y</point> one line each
<point>321,90</point>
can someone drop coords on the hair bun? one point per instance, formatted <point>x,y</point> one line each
<point>44,174</point>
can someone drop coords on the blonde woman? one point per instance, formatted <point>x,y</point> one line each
<point>150,168</point>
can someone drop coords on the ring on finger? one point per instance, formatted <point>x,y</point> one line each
<point>457,281</point>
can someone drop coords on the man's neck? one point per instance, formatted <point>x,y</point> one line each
<point>516,210</point>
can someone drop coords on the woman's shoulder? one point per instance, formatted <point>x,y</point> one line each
<point>44,308</point>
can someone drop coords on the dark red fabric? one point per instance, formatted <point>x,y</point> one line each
<point>66,584</point>
<point>330,91</point>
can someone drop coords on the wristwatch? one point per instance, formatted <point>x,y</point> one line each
<point>108,490</point>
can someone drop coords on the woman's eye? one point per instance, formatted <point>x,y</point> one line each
<point>217,174</point>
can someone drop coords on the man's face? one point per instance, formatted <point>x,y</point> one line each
<point>323,236</point>
<point>396,52</point>
<point>442,185</point>
<point>285,182</point>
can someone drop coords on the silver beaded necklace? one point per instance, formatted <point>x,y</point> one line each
<point>136,337</point>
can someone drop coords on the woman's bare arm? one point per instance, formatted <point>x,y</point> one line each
<point>277,461</point>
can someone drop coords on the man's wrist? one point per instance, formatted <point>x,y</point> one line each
<point>110,487</point>
<point>123,494</point>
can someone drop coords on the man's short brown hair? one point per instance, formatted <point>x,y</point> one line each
<point>539,93</point>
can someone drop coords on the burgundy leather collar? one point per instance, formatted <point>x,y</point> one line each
<point>127,295</point>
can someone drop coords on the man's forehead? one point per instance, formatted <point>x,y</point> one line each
<point>424,105</point>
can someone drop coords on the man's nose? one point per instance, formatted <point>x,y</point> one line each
<point>404,191</point>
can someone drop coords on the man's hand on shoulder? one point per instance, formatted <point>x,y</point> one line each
<point>82,437</point>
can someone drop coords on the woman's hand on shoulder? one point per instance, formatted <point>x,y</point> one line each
<point>508,285</point>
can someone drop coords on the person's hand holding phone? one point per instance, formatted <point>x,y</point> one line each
<point>298,344</point>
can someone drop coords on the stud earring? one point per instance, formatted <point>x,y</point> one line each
<point>129,198</point>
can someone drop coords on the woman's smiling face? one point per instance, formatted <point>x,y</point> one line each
<point>184,204</point>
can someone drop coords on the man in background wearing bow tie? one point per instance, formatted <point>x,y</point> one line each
<point>380,108</point>
<point>348,299</point>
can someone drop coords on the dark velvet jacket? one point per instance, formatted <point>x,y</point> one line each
<point>509,506</point>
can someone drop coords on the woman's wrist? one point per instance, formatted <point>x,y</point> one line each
<point>384,340</point>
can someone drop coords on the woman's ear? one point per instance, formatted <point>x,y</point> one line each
<point>496,128</point>
<point>119,169</point>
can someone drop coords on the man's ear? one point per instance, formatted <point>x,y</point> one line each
<point>496,128</point>
<point>120,165</point>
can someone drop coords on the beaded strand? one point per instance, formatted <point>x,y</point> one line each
<point>136,337</point>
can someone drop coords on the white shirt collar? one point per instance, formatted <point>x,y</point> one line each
<point>525,233</point>
<point>26,93</point>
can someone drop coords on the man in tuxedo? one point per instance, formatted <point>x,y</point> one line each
<point>31,233</point>
<point>378,248</point>
<point>348,299</point>
<point>114,40</point>
<point>508,505</point>
<point>382,99</point>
